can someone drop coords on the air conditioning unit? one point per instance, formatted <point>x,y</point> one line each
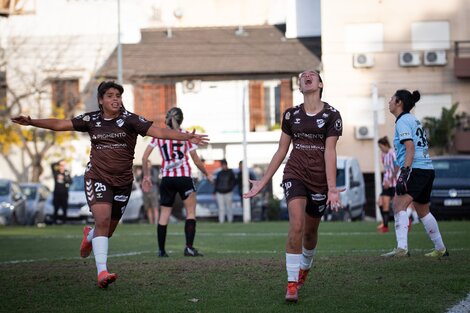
<point>364,132</point>
<point>435,58</point>
<point>410,58</point>
<point>363,60</point>
<point>191,86</point>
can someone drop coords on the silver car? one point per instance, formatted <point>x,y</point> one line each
<point>36,197</point>
<point>12,203</point>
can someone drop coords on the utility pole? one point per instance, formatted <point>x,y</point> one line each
<point>119,46</point>
<point>377,173</point>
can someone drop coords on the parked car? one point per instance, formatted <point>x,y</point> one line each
<point>450,196</point>
<point>12,203</point>
<point>76,201</point>
<point>350,177</point>
<point>36,197</point>
<point>134,210</point>
<point>206,203</point>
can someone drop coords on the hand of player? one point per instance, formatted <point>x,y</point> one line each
<point>255,189</point>
<point>22,120</point>
<point>402,188</point>
<point>146,184</point>
<point>200,140</point>
<point>334,200</point>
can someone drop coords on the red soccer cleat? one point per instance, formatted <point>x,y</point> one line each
<point>105,278</point>
<point>292,295</point>
<point>86,246</point>
<point>383,230</point>
<point>302,277</point>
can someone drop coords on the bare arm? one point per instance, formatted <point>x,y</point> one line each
<point>276,161</point>
<point>47,123</point>
<point>410,153</point>
<point>198,162</point>
<point>330,168</point>
<point>167,133</point>
<point>146,180</point>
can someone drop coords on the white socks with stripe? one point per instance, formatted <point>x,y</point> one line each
<point>292,266</point>
<point>90,235</point>
<point>432,229</point>
<point>100,250</point>
<point>401,229</point>
<point>306,259</point>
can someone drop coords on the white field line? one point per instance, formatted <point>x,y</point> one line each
<point>461,307</point>
<point>226,252</point>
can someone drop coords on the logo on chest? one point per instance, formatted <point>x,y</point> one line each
<point>320,123</point>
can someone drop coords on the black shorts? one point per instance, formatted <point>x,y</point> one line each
<point>419,185</point>
<point>99,192</point>
<point>169,186</point>
<point>389,192</point>
<point>316,202</point>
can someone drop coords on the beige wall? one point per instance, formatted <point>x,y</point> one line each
<point>343,82</point>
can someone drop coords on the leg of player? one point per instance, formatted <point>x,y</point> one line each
<point>162,229</point>
<point>310,240</point>
<point>102,214</point>
<point>400,203</point>
<point>190,225</point>
<point>296,209</point>
<point>432,229</point>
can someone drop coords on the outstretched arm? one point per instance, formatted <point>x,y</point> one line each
<point>166,133</point>
<point>330,167</point>
<point>276,161</point>
<point>47,123</point>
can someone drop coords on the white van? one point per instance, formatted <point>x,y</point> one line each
<point>349,176</point>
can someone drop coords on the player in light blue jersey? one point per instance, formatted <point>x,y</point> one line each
<point>414,183</point>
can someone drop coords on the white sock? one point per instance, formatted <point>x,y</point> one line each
<point>306,258</point>
<point>415,217</point>
<point>409,211</point>
<point>401,229</point>
<point>89,238</point>
<point>292,266</point>
<point>100,250</point>
<point>432,229</point>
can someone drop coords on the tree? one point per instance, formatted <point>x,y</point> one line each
<point>29,93</point>
<point>440,131</point>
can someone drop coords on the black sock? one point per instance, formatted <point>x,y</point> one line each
<point>385,218</point>
<point>161,235</point>
<point>382,212</point>
<point>190,232</point>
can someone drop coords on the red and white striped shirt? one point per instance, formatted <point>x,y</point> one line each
<point>175,155</point>
<point>389,161</point>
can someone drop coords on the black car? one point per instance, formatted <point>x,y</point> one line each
<point>450,197</point>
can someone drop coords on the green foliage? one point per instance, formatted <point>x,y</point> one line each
<point>273,209</point>
<point>440,130</point>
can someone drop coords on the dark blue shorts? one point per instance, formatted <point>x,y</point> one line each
<point>170,186</point>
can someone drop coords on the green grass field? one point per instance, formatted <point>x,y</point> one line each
<point>242,271</point>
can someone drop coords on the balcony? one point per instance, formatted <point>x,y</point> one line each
<point>462,59</point>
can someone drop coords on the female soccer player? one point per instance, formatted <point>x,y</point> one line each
<point>309,179</point>
<point>176,178</point>
<point>108,177</point>
<point>414,183</point>
<point>389,161</point>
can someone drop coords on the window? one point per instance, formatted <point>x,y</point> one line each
<point>360,38</point>
<point>430,35</point>
<point>65,94</point>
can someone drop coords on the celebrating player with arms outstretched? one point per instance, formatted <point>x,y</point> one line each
<point>108,178</point>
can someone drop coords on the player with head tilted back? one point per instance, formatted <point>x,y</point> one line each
<point>309,180</point>
<point>176,178</point>
<point>414,183</point>
<point>108,177</point>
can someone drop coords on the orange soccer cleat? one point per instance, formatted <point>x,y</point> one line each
<point>302,277</point>
<point>86,246</point>
<point>105,278</point>
<point>292,294</point>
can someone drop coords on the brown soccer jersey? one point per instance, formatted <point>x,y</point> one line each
<point>112,145</point>
<point>307,161</point>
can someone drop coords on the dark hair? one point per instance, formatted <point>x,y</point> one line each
<point>105,86</point>
<point>174,118</point>
<point>409,99</point>
<point>384,141</point>
<point>223,162</point>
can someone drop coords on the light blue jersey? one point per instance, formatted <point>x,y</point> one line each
<point>408,127</point>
